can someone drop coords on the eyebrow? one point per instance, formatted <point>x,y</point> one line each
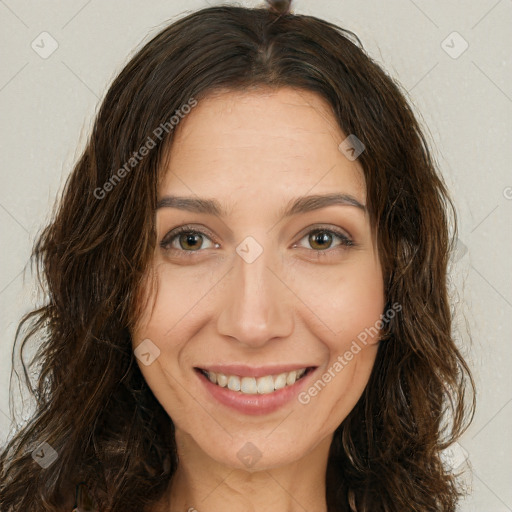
<point>295,206</point>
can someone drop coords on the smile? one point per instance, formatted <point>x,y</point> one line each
<point>254,391</point>
<point>251,385</point>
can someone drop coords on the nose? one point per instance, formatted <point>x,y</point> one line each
<point>256,304</point>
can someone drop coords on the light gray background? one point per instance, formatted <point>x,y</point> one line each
<point>465,101</point>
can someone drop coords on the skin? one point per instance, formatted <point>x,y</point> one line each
<point>254,151</point>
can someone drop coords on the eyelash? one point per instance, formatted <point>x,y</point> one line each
<point>346,242</point>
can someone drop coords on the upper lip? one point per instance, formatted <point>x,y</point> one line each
<point>242,370</point>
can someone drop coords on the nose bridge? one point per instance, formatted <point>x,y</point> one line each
<point>255,308</point>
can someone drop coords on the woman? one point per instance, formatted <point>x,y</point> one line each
<point>247,304</point>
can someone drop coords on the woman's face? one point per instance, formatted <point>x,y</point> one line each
<point>250,293</point>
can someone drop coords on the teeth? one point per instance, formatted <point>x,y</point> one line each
<point>222,380</point>
<point>290,378</point>
<point>280,381</point>
<point>251,385</point>
<point>233,383</point>
<point>266,384</point>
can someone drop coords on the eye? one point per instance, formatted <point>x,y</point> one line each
<point>184,239</point>
<point>187,239</point>
<point>321,239</point>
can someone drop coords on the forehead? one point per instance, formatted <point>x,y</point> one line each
<point>270,142</point>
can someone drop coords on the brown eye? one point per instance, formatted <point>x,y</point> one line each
<point>190,241</point>
<point>321,239</point>
<point>185,239</point>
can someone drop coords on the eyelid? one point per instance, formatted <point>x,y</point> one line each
<point>171,235</point>
<point>342,233</point>
<point>346,239</point>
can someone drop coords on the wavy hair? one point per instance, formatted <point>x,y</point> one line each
<point>93,406</point>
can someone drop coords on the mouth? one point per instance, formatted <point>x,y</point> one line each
<point>261,381</point>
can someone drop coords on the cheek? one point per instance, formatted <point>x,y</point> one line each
<point>177,304</point>
<point>337,302</point>
<point>351,306</point>
<point>165,322</point>
<point>175,297</point>
<point>346,299</point>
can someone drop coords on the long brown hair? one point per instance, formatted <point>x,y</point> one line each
<point>94,408</point>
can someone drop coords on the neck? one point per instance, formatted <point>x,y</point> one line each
<point>202,484</point>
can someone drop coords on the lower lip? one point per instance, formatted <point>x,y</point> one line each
<point>255,404</point>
